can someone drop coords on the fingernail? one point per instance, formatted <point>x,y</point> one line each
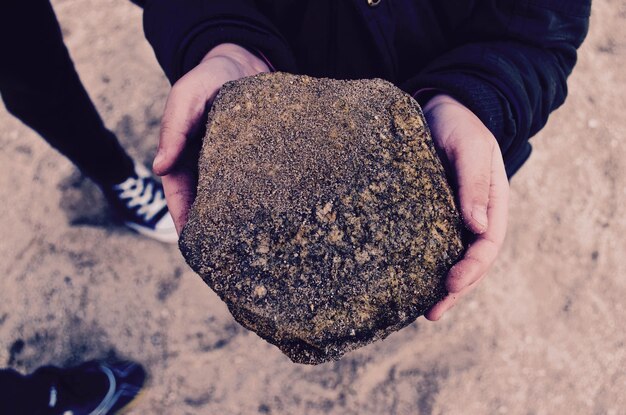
<point>158,159</point>
<point>479,214</point>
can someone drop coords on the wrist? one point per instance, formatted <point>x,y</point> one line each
<point>439,99</point>
<point>249,62</point>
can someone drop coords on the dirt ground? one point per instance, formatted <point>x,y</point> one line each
<point>544,334</point>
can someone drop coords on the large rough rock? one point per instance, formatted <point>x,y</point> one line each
<point>323,217</point>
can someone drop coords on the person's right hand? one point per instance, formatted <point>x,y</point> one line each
<point>472,156</point>
<point>184,119</point>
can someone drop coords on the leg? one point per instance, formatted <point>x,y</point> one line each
<point>40,86</point>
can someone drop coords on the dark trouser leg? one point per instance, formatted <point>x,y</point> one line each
<point>40,86</point>
<point>23,394</point>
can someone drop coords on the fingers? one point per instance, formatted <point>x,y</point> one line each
<point>477,260</point>
<point>180,192</point>
<point>482,253</point>
<point>449,301</point>
<point>471,156</point>
<point>182,119</point>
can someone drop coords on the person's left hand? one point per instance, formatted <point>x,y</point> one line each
<point>471,154</point>
<point>184,120</point>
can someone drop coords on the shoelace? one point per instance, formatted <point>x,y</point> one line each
<point>140,191</point>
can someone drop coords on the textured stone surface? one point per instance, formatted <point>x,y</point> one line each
<point>323,217</point>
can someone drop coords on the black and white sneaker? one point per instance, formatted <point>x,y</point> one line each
<point>95,388</point>
<point>140,202</point>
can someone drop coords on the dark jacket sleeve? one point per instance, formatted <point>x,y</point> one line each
<point>509,63</point>
<point>181,32</point>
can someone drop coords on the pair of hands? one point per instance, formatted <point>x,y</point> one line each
<point>467,148</point>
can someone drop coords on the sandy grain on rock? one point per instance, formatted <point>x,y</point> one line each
<point>323,217</point>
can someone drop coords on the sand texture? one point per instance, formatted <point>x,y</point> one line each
<point>542,334</point>
<point>323,216</point>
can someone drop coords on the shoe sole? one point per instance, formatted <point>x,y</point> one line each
<point>126,409</point>
<point>165,237</point>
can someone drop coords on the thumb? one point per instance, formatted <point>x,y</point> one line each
<point>472,159</point>
<point>182,119</point>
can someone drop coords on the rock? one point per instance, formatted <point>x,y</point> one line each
<point>323,217</point>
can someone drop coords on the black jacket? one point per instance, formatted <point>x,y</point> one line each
<point>507,60</point>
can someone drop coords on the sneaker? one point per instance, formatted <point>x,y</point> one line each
<point>140,202</point>
<point>122,383</point>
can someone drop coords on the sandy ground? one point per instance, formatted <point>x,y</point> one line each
<point>544,334</point>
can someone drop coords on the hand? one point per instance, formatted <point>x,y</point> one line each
<point>184,120</point>
<point>471,154</point>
